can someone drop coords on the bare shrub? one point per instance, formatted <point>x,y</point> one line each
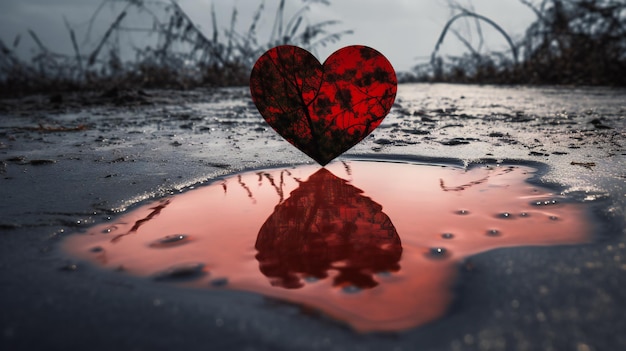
<point>576,42</point>
<point>580,42</point>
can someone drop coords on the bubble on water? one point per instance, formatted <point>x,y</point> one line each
<point>505,215</point>
<point>437,252</point>
<point>219,282</point>
<point>351,289</point>
<point>183,271</point>
<point>107,230</point>
<point>170,240</point>
<point>524,214</point>
<point>493,232</point>
<point>447,235</point>
<point>553,218</point>
<point>462,212</point>
<point>551,202</point>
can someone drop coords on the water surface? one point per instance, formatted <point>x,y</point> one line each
<point>374,244</point>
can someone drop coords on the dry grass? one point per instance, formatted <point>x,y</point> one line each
<point>182,56</point>
<point>574,42</point>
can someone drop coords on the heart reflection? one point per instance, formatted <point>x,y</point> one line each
<point>327,225</point>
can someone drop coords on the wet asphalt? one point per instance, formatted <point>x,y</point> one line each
<point>72,161</point>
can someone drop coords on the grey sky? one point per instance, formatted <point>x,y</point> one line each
<point>403,30</point>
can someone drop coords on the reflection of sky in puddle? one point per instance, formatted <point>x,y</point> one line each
<point>370,243</point>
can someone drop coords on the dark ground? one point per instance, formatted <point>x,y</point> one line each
<point>69,161</point>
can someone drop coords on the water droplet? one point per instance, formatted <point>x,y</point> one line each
<point>493,232</point>
<point>170,240</point>
<point>96,249</point>
<point>505,215</point>
<point>351,289</point>
<point>219,282</point>
<point>524,214</point>
<point>182,271</point>
<point>447,235</point>
<point>437,252</point>
<point>462,212</point>
<point>554,218</point>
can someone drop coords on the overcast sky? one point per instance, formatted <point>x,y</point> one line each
<point>403,30</point>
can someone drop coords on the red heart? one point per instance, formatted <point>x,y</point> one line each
<point>323,110</point>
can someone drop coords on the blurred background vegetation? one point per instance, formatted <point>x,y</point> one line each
<point>177,53</point>
<point>571,42</point>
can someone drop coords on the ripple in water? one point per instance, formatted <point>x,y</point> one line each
<point>374,244</point>
<point>170,241</point>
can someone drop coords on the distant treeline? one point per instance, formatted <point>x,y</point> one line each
<point>573,42</point>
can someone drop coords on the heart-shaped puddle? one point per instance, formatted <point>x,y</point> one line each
<point>373,244</point>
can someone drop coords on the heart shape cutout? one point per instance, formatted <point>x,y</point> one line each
<point>323,110</point>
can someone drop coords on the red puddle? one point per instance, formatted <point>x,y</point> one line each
<point>374,244</point>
